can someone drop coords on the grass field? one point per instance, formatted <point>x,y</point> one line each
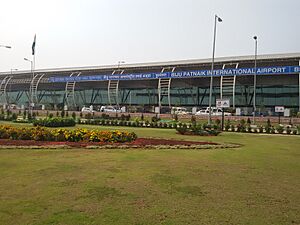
<point>258,183</point>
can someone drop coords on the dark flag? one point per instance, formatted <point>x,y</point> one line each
<point>33,45</point>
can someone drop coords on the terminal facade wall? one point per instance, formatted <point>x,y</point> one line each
<point>189,92</point>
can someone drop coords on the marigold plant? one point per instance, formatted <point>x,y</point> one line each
<point>76,135</point>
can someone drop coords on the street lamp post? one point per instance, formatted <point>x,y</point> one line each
<point>119,63</point>
<point>11,71</point>
<point>254,82</point>
<point>30,93</point>
<point>5,46</point>
<point>217,19</point>
<point>31,64</point>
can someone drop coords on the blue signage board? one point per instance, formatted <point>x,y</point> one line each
<point>276,70</point>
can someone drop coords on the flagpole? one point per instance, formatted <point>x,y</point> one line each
<point>33,71</point>
<point>31,94</point>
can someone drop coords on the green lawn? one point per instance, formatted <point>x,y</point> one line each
<point>258,183</point>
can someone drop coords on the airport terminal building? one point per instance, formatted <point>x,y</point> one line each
<point>166,84</point>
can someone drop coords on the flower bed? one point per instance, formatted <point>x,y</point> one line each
<point>140,143</point>
<point>44,134</point>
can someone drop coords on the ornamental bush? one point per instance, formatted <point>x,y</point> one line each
<point>197,129</point>
<point>55,122</point>
<point>280,129</point>
<point>44,134</point>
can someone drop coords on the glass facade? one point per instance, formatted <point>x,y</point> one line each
<point>266,97</point>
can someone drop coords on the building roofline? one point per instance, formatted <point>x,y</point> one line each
<point>166,63</point>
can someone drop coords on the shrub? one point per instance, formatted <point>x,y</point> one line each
<point>55,122</point>
<point>198,130</point>
<point>272,130</point>
<point>147,123</point>
<point>268,126</point>
<point>280,129</point>
<point>243,122</point>
<point>232,128</point>
<point>62,113</point>
<point>248,128</point>
<point>105,116</point>
<point>268,123</point>
<point>176,117</point>
<point>238,128</point>
<point>268,129</point>
<point>248,121</point>
<point>227,125</point>
<point>182,129</point>
<point>24,114</point>
<point>218,124</point>
<point>88,116</point>
<point>155,118</point>
<point>14,116</point>
<point>298,128</point>
<point>33,117</point>
<point>123,117</point>
<point>193,120</point>
<point>29,116</point>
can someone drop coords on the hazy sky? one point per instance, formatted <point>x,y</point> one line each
<point>73,33</point>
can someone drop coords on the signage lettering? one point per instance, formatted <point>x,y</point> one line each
<point>276,70</point>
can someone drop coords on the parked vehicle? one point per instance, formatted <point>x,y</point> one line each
<point>87,109</point>
<point>179,111</point>
<point>110,109</point>
<point>214,112</point>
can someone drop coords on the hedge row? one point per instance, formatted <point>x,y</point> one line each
<point>44,134</point>
<point>127,123</point>
<point>197,128</point>
<point>55,122</point>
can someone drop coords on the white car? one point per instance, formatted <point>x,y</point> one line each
<point>202,112</point>
<point>179,111</point>
<point>87,109</point>
<point>110,109</point>
<point>214,112</point>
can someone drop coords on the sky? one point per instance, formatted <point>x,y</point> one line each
<point>75,33</point>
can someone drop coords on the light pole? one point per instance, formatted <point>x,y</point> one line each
<point>254,82</point>
<point>30,93</point>
<point>11,71</point>
<point>31,64</point>
<point>119,63</point>
<point>217,19</point>
<point>5,46</point>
